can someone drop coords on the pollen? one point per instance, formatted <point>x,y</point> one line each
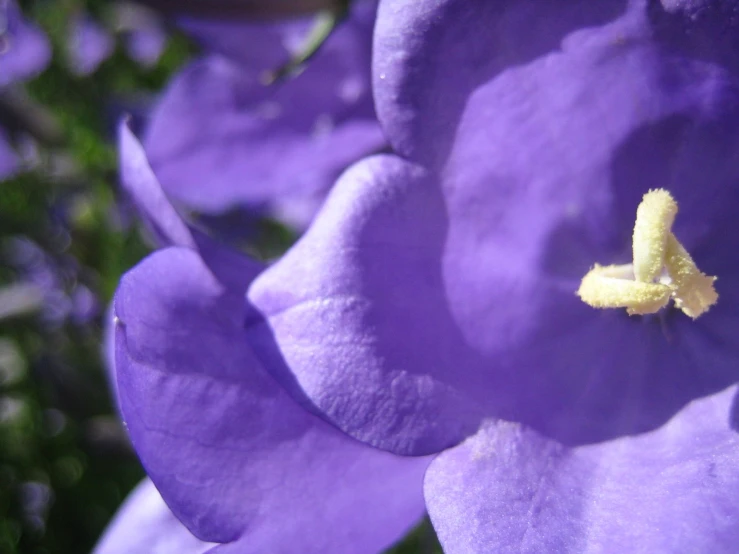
<point>694,291</point>
<point>661,270</point>
<point>654,218</point>
<point>604,287</point>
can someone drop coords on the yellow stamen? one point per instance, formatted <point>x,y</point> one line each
<point>604,287</point>
<point>654,218</point>
<point>656,252</point>
<point>694,292</point>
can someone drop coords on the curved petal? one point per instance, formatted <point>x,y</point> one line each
<point>359,313</point>
<point>459,283</point>
<point>144,525</point>
<point>165,222</point>
<point>24,49</point>
<point>508,489</point>
<point>107,353</point>
<point>139,181</point>
<point>431,55</point>
<point>234,457</point>
<point>220,139</point>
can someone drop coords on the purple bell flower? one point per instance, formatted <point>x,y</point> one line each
<point>233,456</point>
<point>432,303</point>
<point>221,140</point>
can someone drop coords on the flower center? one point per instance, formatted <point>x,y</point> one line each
<point>661,270</point>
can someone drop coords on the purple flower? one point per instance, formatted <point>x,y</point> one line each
<point>50,283</point>
<point>90,44</point>
<point>24,52</point>
<point>145,44</point>
<point>434,296</point>
<point>24,49</point>
<point>221,140</point>
<point>234,457</point>
<point>143,32</point>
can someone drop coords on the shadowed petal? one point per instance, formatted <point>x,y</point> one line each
<point>255,45</point>
<point>221,139</point>
<point>431,55</point>
<point>510,490</point>
<point>231,453</point>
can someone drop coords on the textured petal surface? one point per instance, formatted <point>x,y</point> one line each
<point>24,49</point>
<point>145,525</point>
<point>89,45</point>
<point>366,310</point>
<point>510,490</point>
<point>436,293</point>
<point>231,453</point>
<point>220,139</point>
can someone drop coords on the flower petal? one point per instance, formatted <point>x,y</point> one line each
<point>145,525</point>
<point>455,286</point>
<point>165,222</point>
<point>231,453</point>
<point>220,139</point>
<point>508,489</point>
<point>431,55</point>
<point>255,45</point>
<point>142,185</point>
<point>358,312</point>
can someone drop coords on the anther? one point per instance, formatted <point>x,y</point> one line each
<point>662,268</point>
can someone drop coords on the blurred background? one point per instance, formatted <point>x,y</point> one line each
<point>65,239</point>
<point>69,70</point>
